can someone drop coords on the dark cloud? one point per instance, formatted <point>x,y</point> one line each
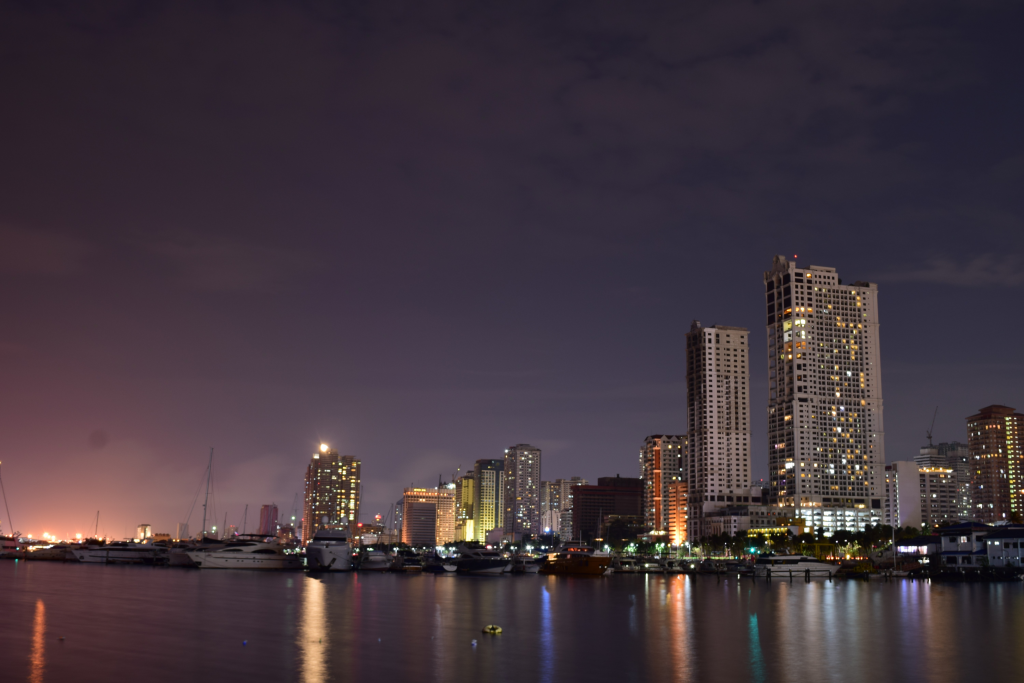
<point>425,233</point>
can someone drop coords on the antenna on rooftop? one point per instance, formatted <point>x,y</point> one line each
<point>929,432</point>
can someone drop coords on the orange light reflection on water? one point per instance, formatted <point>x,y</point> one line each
<point>38,659</point>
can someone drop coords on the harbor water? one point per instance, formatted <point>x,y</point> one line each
<point>70,622</point>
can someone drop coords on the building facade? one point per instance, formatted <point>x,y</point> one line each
<point>718,412</point>
<point>562,491</point>
<point>488,497</point>
<point>522,490</point>
<point>995,456</point>
<point>333,487</point>
<point>825,428</point>
<point>661,463</point>
<point>677,505</point>
<point>428,516</point>
<point>465,493</point>
<point>954,456</point>
<point>619,496</point>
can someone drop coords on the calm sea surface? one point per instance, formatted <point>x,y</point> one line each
<point>163,624</point>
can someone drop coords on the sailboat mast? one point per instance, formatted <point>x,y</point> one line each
<point>209,473</point>
<point>96,531</point>
<point>245,516</point>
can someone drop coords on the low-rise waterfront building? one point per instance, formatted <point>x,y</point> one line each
<point>963,545</point>
<point>1005,547</point>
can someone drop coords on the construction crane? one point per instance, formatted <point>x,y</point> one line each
<point>930,429</point>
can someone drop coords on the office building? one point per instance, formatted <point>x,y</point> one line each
<point>619,496</point>
<point>825,429</point>
<point>465,492</point>
<point>522,491</point>
<point>676,512</point>
<point>488,497</point>
<point>661,461</point>
<point>994,451</point>
<point>268,520</point>
<point>144,531</point>
<point>182,533</point>
<point>419,517</point>
<point>718,410</point>
<point>333,487</point>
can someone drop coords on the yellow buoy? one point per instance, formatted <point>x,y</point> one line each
<point>492,629</point>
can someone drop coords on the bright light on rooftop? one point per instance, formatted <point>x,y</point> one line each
<point>323,448</point>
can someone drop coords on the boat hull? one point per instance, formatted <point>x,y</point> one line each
<point>487,566</point>
<point>577,565</point>
<point>247,561</point>
<point>331,559</point>
<point>119,556</point>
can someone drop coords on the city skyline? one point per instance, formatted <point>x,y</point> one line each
<point>422,238</point>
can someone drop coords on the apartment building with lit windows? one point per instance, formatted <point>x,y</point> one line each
<point>465,492</point>
<point>488,497</point>
<point>994,450</point>
<point>952,455</point>
<point>661,461</point>
<point>522,490</point>
<point>825,430</point>
<point>718,411</point>
<point>333,487</point>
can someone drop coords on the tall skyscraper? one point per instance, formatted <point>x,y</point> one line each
<point>994,450</point>
<point>268,520</point>
<point>333,486</point>
<point>488,497</point>
<point>718,410</point>
<point>522,490</point>
<point>825,431</point>
<point>661,463</point>
<point>465,493</point>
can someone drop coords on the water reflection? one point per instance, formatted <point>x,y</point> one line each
<point>38,659</point>
<point>314,637</point>
<point>547,653</point>
<point>756,659</point>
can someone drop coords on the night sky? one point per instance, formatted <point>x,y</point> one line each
<point>422,236</point>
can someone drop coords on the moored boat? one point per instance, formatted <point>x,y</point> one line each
<point>122,552</point>
<point>329,551</point>
<point>476,559</point>
<point>249,554</point>
<point>373,560</point>
<point>784,565</point>
<point>576,560</point>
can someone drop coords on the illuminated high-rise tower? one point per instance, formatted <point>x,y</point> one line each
<point>718,413</point>
<point>522,490</point>
<point>332,492</point>
<point>661,463</point>
<point>825,435</point>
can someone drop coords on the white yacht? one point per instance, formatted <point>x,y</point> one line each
<point>121,552</point>
<point>783,565</point>
<point>329,551</point>
<point>246,555</point>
